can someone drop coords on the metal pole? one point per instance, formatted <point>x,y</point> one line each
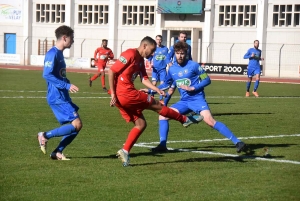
<point>44,52</point>
<point>25,49</point>
<point>207,52</point>
<point>280,58</point>
<point>81,48</point>
<point>230,53</point>
<point>122,45</point>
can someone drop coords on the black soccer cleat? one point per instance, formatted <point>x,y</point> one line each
<point>90,82</point>
<point>160,149</point>
<point>241,146</point>
<point>104,89</point>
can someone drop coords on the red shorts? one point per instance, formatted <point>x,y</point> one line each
<point>132,106</point>
<point>101,67</point>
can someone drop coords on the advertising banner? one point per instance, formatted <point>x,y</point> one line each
<point>10,58</point>
<point>233,69</point>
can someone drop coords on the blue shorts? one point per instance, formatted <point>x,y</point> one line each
<point>159,76</point>
<point>185,107</point>
<point>253,71</point>
<point>65,113</point>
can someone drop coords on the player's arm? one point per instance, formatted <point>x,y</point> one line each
<point>165,85</point>
<point>111,55</point>
<point>170,56</point>
<point>50,66</point>
<point>247,55</point>
<point>204,80</point>
<point>95,54</point>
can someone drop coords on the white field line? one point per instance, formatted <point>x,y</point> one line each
<point>229,155</point>
<point>93,97</point>
<point>148,145</point>
<point>223,139</point>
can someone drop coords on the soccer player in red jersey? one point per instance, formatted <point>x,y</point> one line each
<point>130,101</point>
<point>101,56</point>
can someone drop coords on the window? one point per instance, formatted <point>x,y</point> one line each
<point>138,15</point>
<point>50,13</point>
<point>237,15</point>
<point>93,14</point>
<point>286,15</point>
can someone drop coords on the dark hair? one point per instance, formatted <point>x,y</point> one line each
<point>256,40</point>
<point>160,36</point>
<point>104,40</point>
<point>63,30</point>
<point>182,32</point>
<point>149,40</point>
<point>181,46</point>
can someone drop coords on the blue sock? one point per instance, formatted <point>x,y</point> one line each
<point>222,128</point>
<point>61,131</point>
<point>256,85</point>
<point>160,97</point>
<point>248,84</point>
<point>163,132</point>
<point>65,141</point>
<point>167,99</point>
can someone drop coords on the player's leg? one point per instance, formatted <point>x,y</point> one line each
<point>95,76</point>
<point>103,79</point>
<point>64,113</point>
<point>169,94</point>
<point>162,76</point>
<point>180,107</point>
<point>223,129</point>
<point>257,76</point>
<point>249,80</point>
<point>172,114</point>
<point>139,126</point>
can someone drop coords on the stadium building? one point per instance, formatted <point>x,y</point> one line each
<point>219,31</point>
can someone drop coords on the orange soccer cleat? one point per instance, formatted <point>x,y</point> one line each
<point>255,94</point>
<point>247,94</point>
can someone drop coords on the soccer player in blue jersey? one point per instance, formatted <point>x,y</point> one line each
<point>159,62</point>
<point>171,59</point>
<point>58,88</point>
<point>254,56</point>
<point>190,80</point>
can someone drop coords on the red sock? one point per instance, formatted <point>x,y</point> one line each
<point>103,80</point>
<point>133,136</point>
<point>172,114</point>
<point>94,77</point>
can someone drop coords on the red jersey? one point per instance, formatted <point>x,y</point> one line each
<point>102,55</point>
<point>127,68</point>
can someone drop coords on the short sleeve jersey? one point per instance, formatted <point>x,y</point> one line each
<point>102,55</point>
<point>127,68</point>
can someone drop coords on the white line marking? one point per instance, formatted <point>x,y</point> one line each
<point>148,145</point>
<point>91,97</point>
<point>43,97</point>
<point>229,155</point>
<point>224,139</point>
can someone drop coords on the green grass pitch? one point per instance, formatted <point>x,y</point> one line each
<point>202,166</point>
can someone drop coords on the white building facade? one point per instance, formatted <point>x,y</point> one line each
<point>221,34</point>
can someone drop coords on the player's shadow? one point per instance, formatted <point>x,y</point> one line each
<point>240,113</point>
<point>220,103</point>
<point>197,160</point>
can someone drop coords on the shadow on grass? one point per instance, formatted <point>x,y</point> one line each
<point>255,151</point>
<point>240,113</point>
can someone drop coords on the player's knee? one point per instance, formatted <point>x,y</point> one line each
<point>77,123</point>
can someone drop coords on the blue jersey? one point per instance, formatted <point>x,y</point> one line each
<point>55,75</point>
<point>159,58</point>
<point>171,54</point>
<point>190,74</point>
<point>253,61</point>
